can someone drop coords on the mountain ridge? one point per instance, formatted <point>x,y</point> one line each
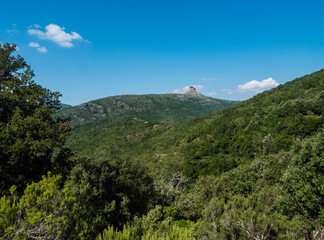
<point>168,108</point>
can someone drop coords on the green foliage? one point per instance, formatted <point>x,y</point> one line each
<point>107,192</point>
<point>252,217</point>
<point>303,183</point>
<point>250,200</point>
<point>173,233</point>
<point>126,137</point>
<point>95,195</point>
<point>153,226</point>
<point>191,203</point>
<point>8,210</point>
<point>41,213</point>
<point>127,233</point>
<point>28,134</point>
<point>170,211</point>
<point>171,186</point>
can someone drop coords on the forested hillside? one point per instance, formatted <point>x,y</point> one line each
<point>254,170</point>
<point>267,123</point>
<point>167,108</point>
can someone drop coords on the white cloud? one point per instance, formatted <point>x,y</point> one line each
<point>35,26</point>
<point>209,79</point>
<point>42,49</point>
<point>34,44</point>
<point>212,94</point>
<point>38,47</point>
<point>56,34</point>
<point>186,88</point>
<point>256,86</point>
<point>177,91</point>
<point>253,86</point>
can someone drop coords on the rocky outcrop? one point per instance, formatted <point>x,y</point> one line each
<point>192,91</point>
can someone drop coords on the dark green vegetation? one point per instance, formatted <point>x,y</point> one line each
<point>28,133</point>
<point>254,170</point>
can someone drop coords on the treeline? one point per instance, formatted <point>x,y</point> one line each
<point>252,171</point>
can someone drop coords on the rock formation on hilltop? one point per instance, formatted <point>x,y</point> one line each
<point>192,91</point>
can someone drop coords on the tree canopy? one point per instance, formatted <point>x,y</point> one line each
<point>28,134</point>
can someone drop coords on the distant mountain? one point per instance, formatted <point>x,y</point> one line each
<point>166,108</point>
<point>63,105</point>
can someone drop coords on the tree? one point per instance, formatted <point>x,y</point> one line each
<point>303,185</point>
<point>28,134</point>
<point>41,213</point>
<point>107,192</point>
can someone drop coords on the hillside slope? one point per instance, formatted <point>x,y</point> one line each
<point>167,108</point>
<point>266,123</point>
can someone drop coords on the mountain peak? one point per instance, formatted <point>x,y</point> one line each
<point>192,91</point>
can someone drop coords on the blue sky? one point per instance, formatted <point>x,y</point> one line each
<point>227,49</point>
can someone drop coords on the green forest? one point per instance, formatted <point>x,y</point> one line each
<point>234,170</point>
